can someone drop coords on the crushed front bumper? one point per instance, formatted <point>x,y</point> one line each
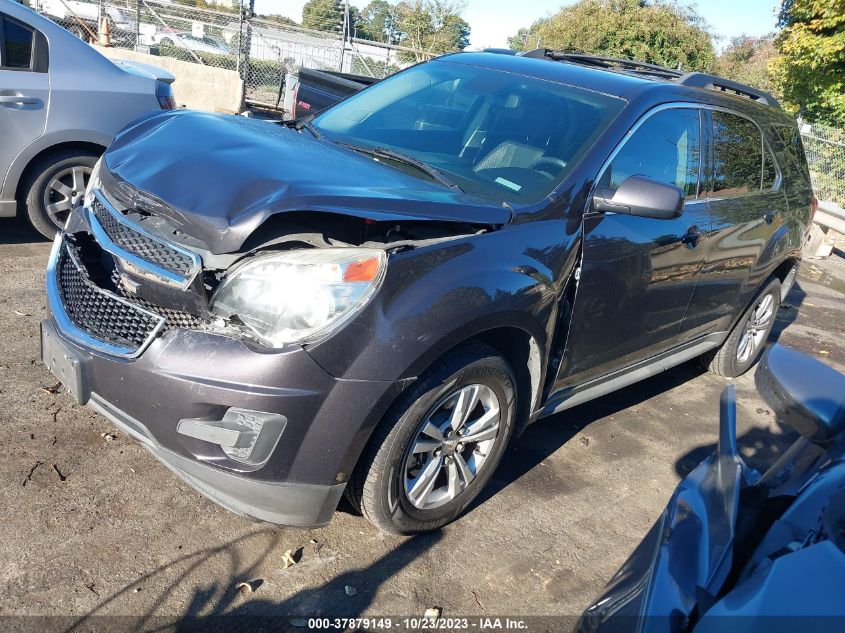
<point>183,374</point>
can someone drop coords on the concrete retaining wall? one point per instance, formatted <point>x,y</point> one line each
<point>197,86</point>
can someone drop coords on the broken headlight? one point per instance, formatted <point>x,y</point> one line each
<point>297,296</point>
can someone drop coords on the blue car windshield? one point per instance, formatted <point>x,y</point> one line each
<point>494,134</point>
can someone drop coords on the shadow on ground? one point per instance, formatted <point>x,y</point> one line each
<point>18,230</point>
<point>222,606</point>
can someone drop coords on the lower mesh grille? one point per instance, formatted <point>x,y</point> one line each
<point>102,315</point>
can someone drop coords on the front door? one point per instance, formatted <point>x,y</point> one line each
<point>24,91</point>
<point>638,274</point>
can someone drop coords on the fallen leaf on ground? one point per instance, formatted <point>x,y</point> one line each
<point>54,389</point>
<point>288,560</point>
<point>250,586</point>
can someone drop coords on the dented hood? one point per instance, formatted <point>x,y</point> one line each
<point>218,178</point>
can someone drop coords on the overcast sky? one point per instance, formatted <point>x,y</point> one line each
<point>493,21</point>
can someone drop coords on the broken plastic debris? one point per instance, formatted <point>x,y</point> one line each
<point>432,613</point>
<point>108,436</point>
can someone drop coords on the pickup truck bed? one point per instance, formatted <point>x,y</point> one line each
<point>318,89</point>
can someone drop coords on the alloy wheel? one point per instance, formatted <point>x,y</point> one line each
<point>451,446</point>
<point>64,191</point>
<point>756,328</point>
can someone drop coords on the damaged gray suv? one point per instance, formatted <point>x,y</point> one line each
<point>377,299</point>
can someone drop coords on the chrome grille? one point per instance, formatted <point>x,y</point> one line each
<point>140,244</point>
<point>146,254</point>
<point>92,315</point>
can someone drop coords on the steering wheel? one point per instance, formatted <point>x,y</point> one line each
<point>557,165</point>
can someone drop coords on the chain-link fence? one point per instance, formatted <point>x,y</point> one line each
<point>825,148</point>
<point>224,34</point>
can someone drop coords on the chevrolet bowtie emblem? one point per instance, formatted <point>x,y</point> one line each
<point>129,285</point>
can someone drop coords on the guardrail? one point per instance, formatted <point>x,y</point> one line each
<point>830,216</point>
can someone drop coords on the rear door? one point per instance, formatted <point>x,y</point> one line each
<point>24,88</point>
<point>638,274</point>
<point>747,206</point>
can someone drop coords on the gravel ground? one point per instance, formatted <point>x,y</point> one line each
<point>93,525</point>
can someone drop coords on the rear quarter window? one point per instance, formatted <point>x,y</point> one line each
<point>17,45</point>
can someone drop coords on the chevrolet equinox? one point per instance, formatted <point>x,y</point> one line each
<point>375,300</point>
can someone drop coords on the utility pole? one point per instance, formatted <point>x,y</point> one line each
<point>344,33</point>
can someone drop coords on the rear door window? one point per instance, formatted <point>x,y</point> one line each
<point>16,42</point>
<point>737,155</point>
<point>666,148</point>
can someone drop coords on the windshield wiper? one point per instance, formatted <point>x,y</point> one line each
<point>304,122</point>
<point>428,170</point>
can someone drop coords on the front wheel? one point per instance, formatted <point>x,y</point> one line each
<point>746,341</point>
<point>439,445</point>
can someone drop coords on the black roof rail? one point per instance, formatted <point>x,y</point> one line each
<point>610,63</point>
<point>703,80</point>
<point>691,79</point>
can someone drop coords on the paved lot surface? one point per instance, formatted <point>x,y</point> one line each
<point>94,526</point>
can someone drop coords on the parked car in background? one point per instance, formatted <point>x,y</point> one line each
<point>185,39</point>
<point>82,17</point>
<point>376,299</point>
<point>740,550</point>
<point>61,103</point>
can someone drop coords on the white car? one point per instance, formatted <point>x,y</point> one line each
<point>61,103</point>
<point>186,39</point>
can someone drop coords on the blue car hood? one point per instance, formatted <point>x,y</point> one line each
<point>218,178</point>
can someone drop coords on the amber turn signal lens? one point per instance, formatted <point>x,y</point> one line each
<point>365,270</point>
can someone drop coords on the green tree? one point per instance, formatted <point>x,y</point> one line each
<point>377,21</point>
<point>658,32</point>
<point>746,59</point>
<point>432,27</point>
<point>278,19</point>
<point>323,15</point>
<point>810,71</point>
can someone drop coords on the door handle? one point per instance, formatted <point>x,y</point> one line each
<point>769,216</point>
<point>18,99</point>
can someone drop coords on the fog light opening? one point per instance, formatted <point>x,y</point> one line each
<point>245,436</point>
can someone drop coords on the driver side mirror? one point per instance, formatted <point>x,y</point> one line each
<point>643,197</point>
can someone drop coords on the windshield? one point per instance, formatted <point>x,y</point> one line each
<point>494,134</point>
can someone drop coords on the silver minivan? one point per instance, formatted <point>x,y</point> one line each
<point>61,103</point>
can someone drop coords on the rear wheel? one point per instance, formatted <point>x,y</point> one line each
<point>747,340</point>
<point>439,445</point>
<point>56,185</point>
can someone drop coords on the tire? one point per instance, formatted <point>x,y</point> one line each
<point>734,358</point>
<point>380,486</point>
<point>71,169</point>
